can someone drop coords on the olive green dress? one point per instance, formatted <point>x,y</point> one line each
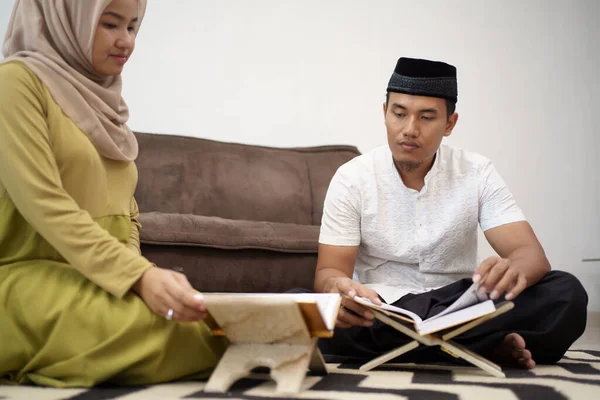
<point>69,253</point>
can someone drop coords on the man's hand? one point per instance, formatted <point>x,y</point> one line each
<point>351,313</point>
<point>335,266</point>
<point>523,261</point>
<point>163,289</point>
<point>498,275</point>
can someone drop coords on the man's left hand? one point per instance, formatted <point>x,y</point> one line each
<point>498,275</point>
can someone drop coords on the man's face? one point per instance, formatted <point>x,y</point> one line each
<point>415,127</point>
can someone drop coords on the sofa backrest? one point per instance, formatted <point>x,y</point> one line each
<point>236,181</point>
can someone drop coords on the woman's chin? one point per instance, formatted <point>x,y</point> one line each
<point>109,71</point>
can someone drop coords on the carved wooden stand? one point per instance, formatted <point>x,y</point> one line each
<point>442,340</point>
<point>263,333</point>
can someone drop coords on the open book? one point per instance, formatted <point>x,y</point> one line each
<point>319,310</point>
<point>471,305</point>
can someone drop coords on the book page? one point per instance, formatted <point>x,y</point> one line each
<point>368,303</point>
<point>458,317</point>
<point>468,298</point>
<point>327,303</point>
<point>388,293</point>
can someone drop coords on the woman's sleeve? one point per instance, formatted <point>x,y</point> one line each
<point>30,175</point>
<point>134,235</point>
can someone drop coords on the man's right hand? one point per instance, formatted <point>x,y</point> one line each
<point>351,313</point>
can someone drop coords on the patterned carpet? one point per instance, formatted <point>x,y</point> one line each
<point>577,376</point>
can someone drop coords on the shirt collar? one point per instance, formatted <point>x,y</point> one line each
<point>436,165</point>
<point>432,172</point>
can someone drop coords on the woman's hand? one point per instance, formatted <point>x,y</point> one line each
<point>164,290</point>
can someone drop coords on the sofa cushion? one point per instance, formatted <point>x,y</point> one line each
<point>202,231</point>
<point>235,181</point>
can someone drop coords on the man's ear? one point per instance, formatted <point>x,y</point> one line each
<point>450,124</point>
<point>384,109</point>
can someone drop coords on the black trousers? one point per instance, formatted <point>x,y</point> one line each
<point>549,315</point>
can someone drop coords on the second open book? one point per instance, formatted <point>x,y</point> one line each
<point>469,306</point>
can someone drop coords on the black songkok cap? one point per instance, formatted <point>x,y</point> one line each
<point>424,78</point>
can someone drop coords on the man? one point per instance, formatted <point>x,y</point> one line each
<point>402,220</point>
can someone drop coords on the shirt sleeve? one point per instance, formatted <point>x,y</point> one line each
<point>30,175</point>
<point>496,203</point>
<point>340,225</point>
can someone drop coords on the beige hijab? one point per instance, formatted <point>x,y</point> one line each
<point>54,38</point>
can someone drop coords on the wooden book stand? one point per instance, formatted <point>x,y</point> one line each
<point>263,333</point>
<point>442,339</point>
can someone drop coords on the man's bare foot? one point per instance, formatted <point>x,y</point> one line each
<point>513,351</point>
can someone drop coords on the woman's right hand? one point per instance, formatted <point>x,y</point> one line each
<point>163,290</point>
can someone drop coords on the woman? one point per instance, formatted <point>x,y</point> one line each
<point>79,305</point>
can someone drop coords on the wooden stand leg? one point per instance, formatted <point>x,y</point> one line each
<point>228,371</point>
<point>288,364</point>
<point>289,376</point>
<point>317,364</point>
<point>389,356</point>
<point>473,358</point>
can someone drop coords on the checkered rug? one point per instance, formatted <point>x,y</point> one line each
<point>577,376</point>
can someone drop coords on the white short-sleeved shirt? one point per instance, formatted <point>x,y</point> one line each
<point>410,241</point>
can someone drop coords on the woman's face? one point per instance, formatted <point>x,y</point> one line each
<point>114,40</point>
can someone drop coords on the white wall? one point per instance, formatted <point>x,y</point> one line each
<point>312,72</point>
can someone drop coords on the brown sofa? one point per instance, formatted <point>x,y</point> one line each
<point>234,217</point>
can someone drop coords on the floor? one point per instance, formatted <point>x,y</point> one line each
<point>575,378</point>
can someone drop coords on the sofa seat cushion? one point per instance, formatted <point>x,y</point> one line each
<point>203,231</point>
